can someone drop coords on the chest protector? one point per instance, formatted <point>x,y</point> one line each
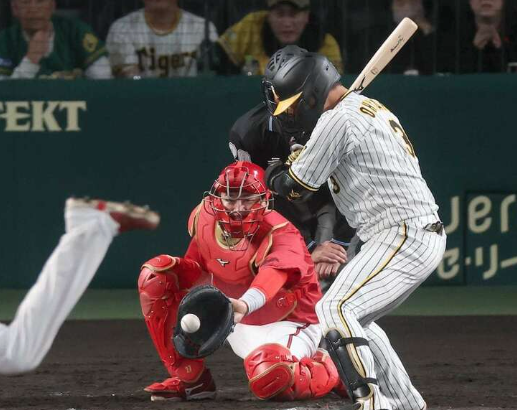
<point>233,270</point>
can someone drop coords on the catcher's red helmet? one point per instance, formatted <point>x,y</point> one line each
<point>239,198</point>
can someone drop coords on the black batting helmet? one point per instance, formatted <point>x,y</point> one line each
<point>306,80</point>
<point>277,60</point>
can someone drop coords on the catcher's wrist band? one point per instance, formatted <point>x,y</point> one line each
<point>254,298</point>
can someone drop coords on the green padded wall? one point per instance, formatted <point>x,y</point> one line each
<point>163,143</point>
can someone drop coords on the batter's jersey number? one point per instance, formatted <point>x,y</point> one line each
<point>397,129</point>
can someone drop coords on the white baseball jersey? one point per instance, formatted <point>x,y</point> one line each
<point>374,175</point>
<point>131,41</point>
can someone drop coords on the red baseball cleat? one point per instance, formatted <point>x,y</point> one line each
<point>128,216</point>
<point>176,390</point>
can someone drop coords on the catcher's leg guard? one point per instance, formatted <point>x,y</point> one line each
<point>160,295</point>
<point>323,373</point>
<point>358,386</point>
<point>274,373</point>
<point>329,380</point>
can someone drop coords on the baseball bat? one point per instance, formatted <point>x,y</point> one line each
<point>385,54</point>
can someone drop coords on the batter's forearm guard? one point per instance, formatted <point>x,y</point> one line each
<point>281,183</point>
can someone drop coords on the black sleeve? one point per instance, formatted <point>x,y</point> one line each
<point>237,145</point>
<point>245,136</point>
<point>256,133</point>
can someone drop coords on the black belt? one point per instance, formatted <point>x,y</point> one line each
<point>436,227</point>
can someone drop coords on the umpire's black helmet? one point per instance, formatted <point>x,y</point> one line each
<point>306,80</point>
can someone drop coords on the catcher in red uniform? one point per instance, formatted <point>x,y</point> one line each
<point>260,261</point>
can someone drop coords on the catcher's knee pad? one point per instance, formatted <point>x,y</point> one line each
<point>270,370</point>
<point>358,385</point>
<point>158,287</point>
<point>274,373</point>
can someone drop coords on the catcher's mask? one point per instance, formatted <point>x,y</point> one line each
<point>239,199</point>
<point>300,88</point>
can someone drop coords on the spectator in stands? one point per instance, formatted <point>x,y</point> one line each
<point>43,45</point>
<point>416,57</point>
<point>414,9</point>
<point>259,34</point>
<point>487,39</point>
<point>160,40</point>
<point>379,19</point>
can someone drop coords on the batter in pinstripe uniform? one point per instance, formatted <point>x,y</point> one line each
<point>359,147</point>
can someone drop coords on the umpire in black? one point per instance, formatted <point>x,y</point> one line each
<point>260,138</point>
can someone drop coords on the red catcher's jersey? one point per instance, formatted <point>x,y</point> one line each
<point>278,245</point>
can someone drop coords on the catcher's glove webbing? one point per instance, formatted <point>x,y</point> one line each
<point>215,313</point>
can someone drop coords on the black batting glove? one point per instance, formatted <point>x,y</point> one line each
<point>274,170</point>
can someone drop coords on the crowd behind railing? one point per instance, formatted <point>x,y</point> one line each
<point>172,38</point>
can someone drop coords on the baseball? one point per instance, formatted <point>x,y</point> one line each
<point>190,323</point>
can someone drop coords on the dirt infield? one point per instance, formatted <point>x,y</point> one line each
<point>457,362</point>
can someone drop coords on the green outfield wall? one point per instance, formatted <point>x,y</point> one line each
<point>163,142</point>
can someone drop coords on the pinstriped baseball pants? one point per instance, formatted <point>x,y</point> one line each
<point>389,267</point>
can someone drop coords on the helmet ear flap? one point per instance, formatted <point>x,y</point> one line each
<point>311,102</point>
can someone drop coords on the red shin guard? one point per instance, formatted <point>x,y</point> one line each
<point>160,295</point>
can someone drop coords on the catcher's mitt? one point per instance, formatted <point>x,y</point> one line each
<point>215,313</point>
